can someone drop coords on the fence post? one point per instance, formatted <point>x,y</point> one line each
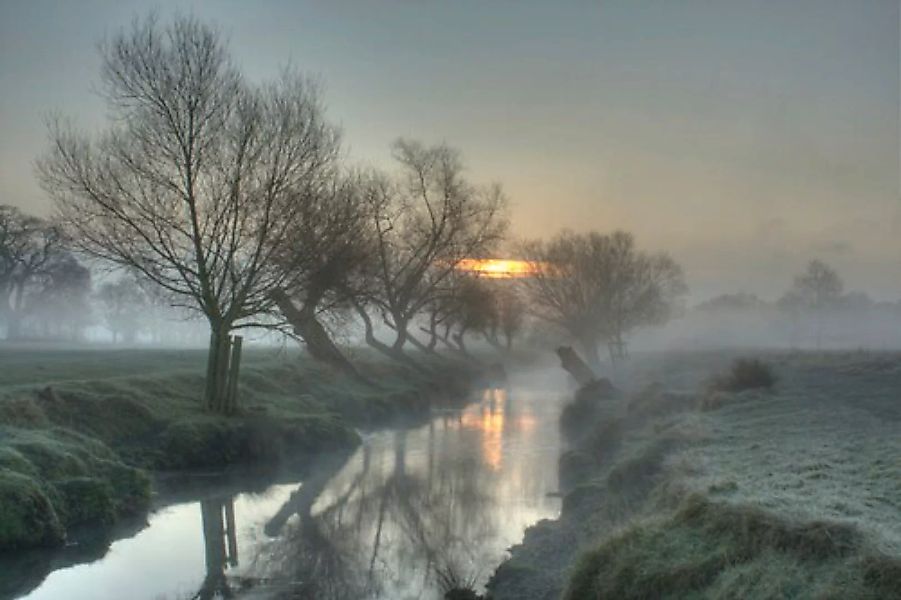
<point>234,367</point>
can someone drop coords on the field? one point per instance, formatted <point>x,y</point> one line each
<point>680,491</point>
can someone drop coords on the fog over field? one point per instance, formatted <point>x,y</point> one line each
<point>464,301</point>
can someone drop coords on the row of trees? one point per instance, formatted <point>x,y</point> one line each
<point>47,293</point>
<point>815,300</point>
<point>229,197</point>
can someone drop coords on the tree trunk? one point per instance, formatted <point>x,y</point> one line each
<point>433,332</point>
<point>385,349</point>
<point>460,339</point>
<point>16,312</point>
<point>400,330</point>
<point>234,368</point>
<point>369,333</point>
<point>419,345</point>
<point>318,342</point>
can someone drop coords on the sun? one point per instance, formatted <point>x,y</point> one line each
<point>497,268</point>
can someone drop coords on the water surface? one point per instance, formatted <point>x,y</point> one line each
<point>412,510</point>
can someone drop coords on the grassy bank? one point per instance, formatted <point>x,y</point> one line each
<point>789,492</point>
<point>81,430</point>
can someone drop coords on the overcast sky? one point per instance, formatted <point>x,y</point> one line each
<point>744,137</point>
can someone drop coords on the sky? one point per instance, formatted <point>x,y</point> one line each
<point>743,137</point>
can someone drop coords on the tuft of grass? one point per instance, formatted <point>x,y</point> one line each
<point>746,374</point>
<point>721,550</point>
<point>27,516</point>
<point>55,479</point>
<point>457,583</point>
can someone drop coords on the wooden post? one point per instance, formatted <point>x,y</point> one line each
<point>212,358</point>
<point>230,532</point>
<point>234,368</point>
<point>222,371</point>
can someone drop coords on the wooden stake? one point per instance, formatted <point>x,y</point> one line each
<point>234,368</point>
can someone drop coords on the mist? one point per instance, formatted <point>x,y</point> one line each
<point>450,301</point>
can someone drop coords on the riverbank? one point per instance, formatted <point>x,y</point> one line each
<point>82,431</point>
<point>790,492</point>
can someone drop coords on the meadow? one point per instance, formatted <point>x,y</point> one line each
<point>682,489</point>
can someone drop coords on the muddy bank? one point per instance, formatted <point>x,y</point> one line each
<point>655,505</point>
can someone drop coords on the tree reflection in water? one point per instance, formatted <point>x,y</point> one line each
<point>412,511</point>
<point>220,544</point>
<point>406,515</point>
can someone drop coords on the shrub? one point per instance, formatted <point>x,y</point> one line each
<point>746,374</point>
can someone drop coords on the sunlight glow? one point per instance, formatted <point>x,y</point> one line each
<point>497,268</point>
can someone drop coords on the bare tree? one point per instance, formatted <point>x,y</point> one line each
<point>477,312</point>
<point>598,287</point>
<point>818,288</point>
<point>422,225</point>
<point>330,248</point>
<point>57,305</point>
<point>508,317</point>
<point>469,304</point>
<point>29,247</point>
<point>123,308</point>
<point>197,182</point>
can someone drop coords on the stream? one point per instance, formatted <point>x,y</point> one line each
<point>411,512</point>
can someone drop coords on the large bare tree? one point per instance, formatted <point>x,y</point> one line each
<point>598,287</point>
<point>198,180</point>
<point>423,223</point>
<point>329,252</point>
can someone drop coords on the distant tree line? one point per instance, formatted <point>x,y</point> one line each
<point>43,288</point>
<point>48,293</point>
<point>815,311</point>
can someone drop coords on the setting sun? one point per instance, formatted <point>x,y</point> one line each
<point>497,268</point>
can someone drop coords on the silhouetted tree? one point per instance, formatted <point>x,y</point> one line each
<point>819,286</point>
<point>198,180</point>
<point>598,287</point>
<point>508,317</point>
<point>815,290</point>
<point>58,304</point>
<point>330,246</point>
<point>29,247</point>
<point>123,307</point>
<point>422,224</point>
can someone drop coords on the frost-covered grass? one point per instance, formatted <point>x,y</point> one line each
<point>74,423</point>
<point>826,445</point>
<point>790,492</point>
